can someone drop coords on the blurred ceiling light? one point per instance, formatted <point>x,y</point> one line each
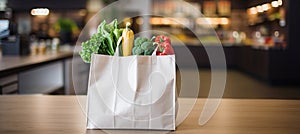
<point>279,2</point>
<point>212,21</point>
<point>274,3</point>
<point>266,6</point>
<point>155,21</point>
<point>165,21</point>
<point>215,21</point>
<point>252,10</point>
<point>259,9</point>
<point>180,21</point>
<point>223,21</point>
<point>40,11</point>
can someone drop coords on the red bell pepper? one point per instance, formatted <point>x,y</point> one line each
<point>164,45</point>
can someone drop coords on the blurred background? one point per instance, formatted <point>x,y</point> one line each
<point>259,39</point>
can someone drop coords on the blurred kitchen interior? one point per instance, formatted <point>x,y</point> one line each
<point>259,39</point>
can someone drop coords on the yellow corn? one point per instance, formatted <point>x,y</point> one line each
<point>127,40</point>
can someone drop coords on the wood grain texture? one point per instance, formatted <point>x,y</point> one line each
<point>63,114</point>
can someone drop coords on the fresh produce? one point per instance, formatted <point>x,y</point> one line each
<point>127,40</point>
<point>164,45</point>
<point>102,42</point>
<point>109,36</point>
<point>143,46</point>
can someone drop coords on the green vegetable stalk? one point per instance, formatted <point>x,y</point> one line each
<point>102,42</point>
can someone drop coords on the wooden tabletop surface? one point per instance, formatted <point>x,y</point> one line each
<point>63,114</point>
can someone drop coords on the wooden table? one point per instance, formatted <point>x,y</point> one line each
<point>63,114</point>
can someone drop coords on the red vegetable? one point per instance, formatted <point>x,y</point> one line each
<point>164,45</point>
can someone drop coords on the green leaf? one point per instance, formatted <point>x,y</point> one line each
<point>103,42</point>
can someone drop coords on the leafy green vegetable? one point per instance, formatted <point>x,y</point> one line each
<point>143,46</point>
<point>117,35</point>
<point>102,42</point>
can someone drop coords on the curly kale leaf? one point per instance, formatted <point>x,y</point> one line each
<point>92,46</point>
<point>103,42</point>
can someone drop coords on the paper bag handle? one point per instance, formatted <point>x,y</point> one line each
<point>117,52</point>
<point>154,57</point>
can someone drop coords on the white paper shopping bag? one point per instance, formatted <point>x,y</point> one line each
<point>133,92</point>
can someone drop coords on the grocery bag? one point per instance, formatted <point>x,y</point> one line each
<point>131,92</point>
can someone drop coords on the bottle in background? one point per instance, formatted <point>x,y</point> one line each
<point>55,44</point>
